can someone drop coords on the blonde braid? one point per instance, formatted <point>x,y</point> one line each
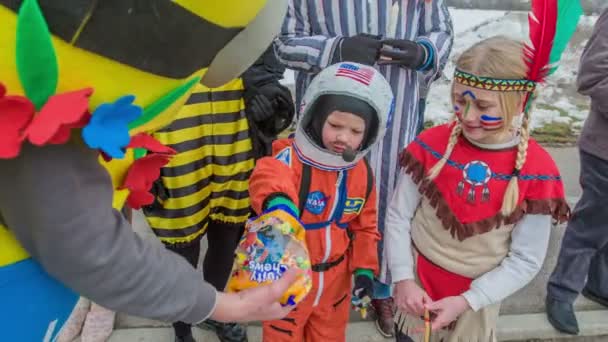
<point>511,197</point>
<point>434,171</point>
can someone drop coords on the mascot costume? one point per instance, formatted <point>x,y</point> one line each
<point>94,80</point>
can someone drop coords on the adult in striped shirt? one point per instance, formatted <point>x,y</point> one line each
<point>405,39</point>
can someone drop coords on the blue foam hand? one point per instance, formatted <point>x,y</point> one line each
<point>108,129</point>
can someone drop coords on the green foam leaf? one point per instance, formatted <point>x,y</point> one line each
<point>163,103</point>
<point>35,54</point>
<point>139,153</point>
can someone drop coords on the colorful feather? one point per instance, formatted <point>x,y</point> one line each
<point>552,24</point>
<point>568,15</point>
<point>543,22</point>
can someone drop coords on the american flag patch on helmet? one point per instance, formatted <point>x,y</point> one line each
<point>360,74</point>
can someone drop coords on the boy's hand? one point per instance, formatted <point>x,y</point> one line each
<point>410,298</point>
<point>363,291</point>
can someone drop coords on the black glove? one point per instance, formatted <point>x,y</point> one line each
<point>161,194</point>
<point>364,287</point>
<point>362,48</point>
<point>271,100</point>
<point>404,52</point>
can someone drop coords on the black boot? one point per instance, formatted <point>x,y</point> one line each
<point>561,316</point>
<point>226,332</point>
<point>187,338</point>
<point>594,297</point>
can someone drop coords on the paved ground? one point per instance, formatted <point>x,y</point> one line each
<point>522,315</point>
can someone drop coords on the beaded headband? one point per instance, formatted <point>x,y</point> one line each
<point>495,84</point>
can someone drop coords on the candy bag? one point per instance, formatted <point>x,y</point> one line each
<point>272,243</point>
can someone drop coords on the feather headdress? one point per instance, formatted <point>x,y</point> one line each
<point>552,24</point>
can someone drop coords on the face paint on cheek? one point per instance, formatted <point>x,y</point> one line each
<point>468,106</point>
<point>458,113</point>
<point>466,109</point>
<point>491,123</point>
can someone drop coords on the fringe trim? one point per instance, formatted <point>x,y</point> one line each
<point>557,208</point>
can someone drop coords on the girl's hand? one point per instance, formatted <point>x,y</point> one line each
<point>410,298</point>
<point>446,310</point>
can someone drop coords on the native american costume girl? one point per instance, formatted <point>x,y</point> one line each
<point>451,231</point>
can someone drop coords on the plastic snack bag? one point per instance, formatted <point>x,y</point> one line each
<point>272,243</point>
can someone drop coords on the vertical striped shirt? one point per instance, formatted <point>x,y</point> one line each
<point>309,36</point>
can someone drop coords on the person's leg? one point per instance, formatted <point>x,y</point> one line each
<point>596,288</point>
<point>222,239</point>
<point>290,328</point>
<point>329,318</point>
<point>585,234</point>
<point>190,252</point>
<point>584,237</point>
<point>384,308</point>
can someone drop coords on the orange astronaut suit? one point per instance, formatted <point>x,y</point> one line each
<point>337,202</point>
<point>336,205</point>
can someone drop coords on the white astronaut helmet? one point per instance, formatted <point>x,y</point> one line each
<point>347,87</point>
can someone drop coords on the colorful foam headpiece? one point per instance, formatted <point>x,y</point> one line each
<point>146,53</point>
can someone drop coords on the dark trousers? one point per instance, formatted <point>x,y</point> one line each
<point>583,258</point>
<point>222,240</point>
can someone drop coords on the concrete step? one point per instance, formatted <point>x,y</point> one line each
<point>525,327</point>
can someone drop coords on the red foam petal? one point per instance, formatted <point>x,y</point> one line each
<point>2,90</point>
<point>137,199</point>
<point>141,176</point>
<point>10,145</point>
<point>59,115</point>
<point>61,137</point>
<point>16,113</point>
<point>63,134</point>
<point>143,140</point>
